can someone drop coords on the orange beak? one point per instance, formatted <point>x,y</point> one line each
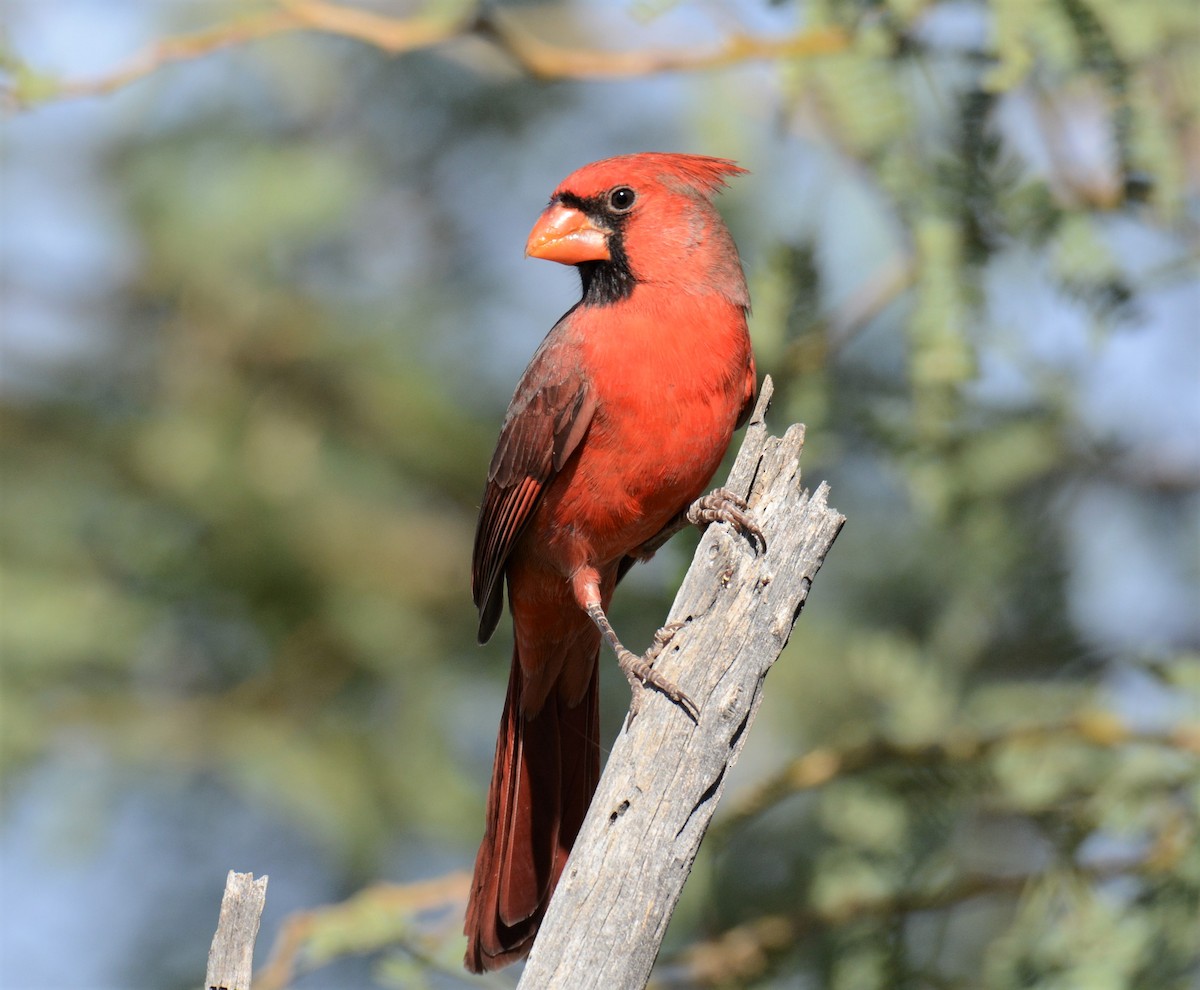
<point>566,235</point>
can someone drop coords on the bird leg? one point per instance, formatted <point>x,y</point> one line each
<point>640,670</point>
<point>719,505</point>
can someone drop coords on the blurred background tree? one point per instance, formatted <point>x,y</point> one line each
<point>264,305</point>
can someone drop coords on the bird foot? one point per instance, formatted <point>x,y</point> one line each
<point>641,674</point>
<point>722,505</point>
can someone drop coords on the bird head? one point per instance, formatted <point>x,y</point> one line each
<point>644,219</point>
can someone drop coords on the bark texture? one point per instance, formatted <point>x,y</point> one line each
<point>231,956</point>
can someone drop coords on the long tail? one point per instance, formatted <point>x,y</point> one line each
<point>543,778</point>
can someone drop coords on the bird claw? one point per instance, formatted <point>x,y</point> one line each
<point>722,505</point>
<point>662,638</point>
<point>641,675</point>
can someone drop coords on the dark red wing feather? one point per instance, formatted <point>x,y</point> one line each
<point>548,416</point>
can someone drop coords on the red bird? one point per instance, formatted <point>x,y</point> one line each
<point>615,428</point>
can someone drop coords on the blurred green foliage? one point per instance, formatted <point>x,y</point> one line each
<point>236,535</point>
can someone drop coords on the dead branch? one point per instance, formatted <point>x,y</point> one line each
<point>665,774</point>
<point>231,956</point>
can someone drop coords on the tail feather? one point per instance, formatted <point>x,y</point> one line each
<point>544,774</point>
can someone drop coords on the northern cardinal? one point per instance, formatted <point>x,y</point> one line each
<point>615,428</point>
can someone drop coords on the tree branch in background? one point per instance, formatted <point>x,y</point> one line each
<point>744,953</point>
<point>820,766</point>
<point>548,60</point>
<point>535,55</point>
<point>30,88</point>
<point>381,916</point>
<point>665,774</point>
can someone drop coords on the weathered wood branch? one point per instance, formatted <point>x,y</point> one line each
<point>666,774</point>
<point>231,956</point>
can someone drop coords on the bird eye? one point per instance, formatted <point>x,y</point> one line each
<point>622,198</point>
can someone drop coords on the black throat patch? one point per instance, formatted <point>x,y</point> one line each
<point>604,282</point>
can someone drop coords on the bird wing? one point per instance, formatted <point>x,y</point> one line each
<point>548,416</point>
